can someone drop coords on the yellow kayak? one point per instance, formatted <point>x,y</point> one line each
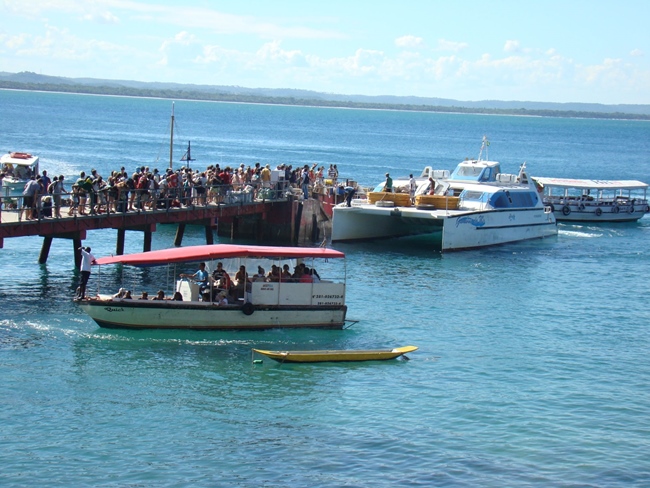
<point>336,355</point>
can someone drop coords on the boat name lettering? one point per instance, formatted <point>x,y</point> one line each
<point>111,309</point>
<point>478,222</point>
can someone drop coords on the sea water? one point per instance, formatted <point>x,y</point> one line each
<point>532,366</point>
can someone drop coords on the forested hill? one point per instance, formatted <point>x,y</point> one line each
<point>33,81</point>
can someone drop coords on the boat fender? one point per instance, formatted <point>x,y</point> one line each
<point>248,308</point>
<point>646,209</point>
<point>566,210</point>
<point>552,207</point>
<point>615,209</point>
<point>581,207</point>
<point>599,212</point>
<point>631,209</point>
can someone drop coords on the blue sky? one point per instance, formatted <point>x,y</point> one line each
<point>551,51</point>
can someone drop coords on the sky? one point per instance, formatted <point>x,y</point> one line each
<point>595,51</point>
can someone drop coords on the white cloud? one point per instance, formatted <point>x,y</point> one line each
<point>511,46</point>
<point>104,17</point>
<point>409,42</point>
<point>453,46</point>
<point>637,53</point>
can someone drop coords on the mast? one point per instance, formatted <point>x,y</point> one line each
<point>171,141</point>
<point>484,145</point>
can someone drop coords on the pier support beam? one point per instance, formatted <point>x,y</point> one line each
<point>146,247</point>
<point>179,235</point>
<point>45,249</point>
<point>76,244</point>
<point>119,246</point>
<point>209,236</point>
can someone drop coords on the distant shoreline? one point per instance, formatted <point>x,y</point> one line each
<point>123,91</point>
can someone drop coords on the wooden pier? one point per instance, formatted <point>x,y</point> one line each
<point>287,221</point>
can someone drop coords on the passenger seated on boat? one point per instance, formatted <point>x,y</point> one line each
<point>220,273</point>
<point>144,296</point>
<point>315,277</point>
<point>120,293</point>
<point>221,299</point>
<point>178,297</point>
<point>127,295</point>
<point>274,275</point>
<point>159,296</point>
<point>306,276</point>
<point>285,275</point>
<point>259,276</point>
<point>242,283</point>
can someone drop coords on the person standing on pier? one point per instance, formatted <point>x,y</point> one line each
<point>87,260</point>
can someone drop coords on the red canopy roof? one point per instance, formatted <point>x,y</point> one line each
<point>218,251</point>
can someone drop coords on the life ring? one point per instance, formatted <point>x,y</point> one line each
<point>630,209</point>
<point>599,212</point>
<point>566,210</point>
<point>615,209</point>
<point>248,308</point>
<point>581,207</point>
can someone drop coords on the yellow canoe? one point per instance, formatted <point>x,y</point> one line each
<point>335,355</point>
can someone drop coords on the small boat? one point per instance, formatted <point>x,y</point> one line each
<point>18,167</point>
<point>315,299</point>
<point>575,200</point>
<point>336,355</point>
<point>476,206</point>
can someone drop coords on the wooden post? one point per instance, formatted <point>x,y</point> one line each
<point>146,247</point>
<point>45,249</point>
<point>119,248</point>
<point>76,243</point>
<point>179,235</point>
<point>209,236</point>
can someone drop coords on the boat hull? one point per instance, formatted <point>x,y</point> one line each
<point>605,213</point>
<point>449,229</point>
<point>336,355</point>
<point>137,314</point>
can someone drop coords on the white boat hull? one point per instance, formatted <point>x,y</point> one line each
<point>137,314</point>
<point>450,229</point>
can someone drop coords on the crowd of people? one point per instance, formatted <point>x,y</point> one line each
<point>146,189</point>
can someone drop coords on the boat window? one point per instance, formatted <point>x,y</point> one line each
<point>510,199</point>
<point>473,196</point>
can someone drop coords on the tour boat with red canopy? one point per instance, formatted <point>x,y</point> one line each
<point>310,293</point>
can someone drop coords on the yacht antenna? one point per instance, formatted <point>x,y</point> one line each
<point>484,145</point>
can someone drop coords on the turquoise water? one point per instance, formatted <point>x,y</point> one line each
<point>532,368</point>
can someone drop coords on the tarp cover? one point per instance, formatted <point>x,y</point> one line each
<point>218,251</point>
